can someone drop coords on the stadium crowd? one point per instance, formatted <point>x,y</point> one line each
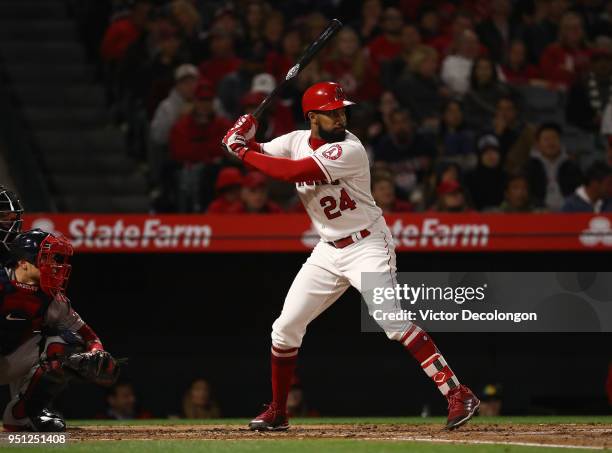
<point>470,105</point>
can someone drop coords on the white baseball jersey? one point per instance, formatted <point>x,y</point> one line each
<point>343,204</point>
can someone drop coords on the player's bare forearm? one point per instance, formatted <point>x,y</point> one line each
<point>281,168</point>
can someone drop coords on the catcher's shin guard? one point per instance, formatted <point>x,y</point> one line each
<point>46,380</point>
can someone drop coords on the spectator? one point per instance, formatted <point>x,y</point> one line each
<point>227,20</point>
<point>540,28</point>
<point>497,31</point>
<point>383,191</point>
<point>516,69</point>
<point>485,91</point>
<point>134,70</point>
<point>368,25</point>
<point>391,70</point>
<point>552,175</point>
<point>315,23</point>
<point>420,90</point>
<point>273,31</point>
<point>562,62</point>
<point>254,195</point>
<point>222,59</point>
<point>591,196</point>
<point>297,405</point>
<point>517,197</point>
<point>429,25</point>
<point>456,140</point>
<point>491,403</point>
<point>456,68</point>
<point>169,56</point>
<point>124,31</point>
<point>443,171</point>
<point>278,63</point>
<point>179,102</point>
<point>486,181</point>
<point>451,198</point>
<point>408,153</point>
<point>236,84</point>
<point>198,402</point>
<point>351,68</point>
<point>589,95</point>
<point>254,21</point>
<point>187,17</point>
<point>228,188</point>
<point>122,404</point>
<point>379,125</point>
<point>195,147</point>
<point>515,136</point>
<point>388,45</point>
<point>195,137</point>
<point>451,42</point>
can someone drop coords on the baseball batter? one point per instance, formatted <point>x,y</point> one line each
<point>332,173</point>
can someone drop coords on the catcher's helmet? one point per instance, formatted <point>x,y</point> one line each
<point>49,253</point>
<point>324,96</point>
<point>10,217</point>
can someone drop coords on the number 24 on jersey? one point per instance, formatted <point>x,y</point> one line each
<point>329,205</point>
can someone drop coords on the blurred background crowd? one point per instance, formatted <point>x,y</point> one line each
<point>463,105</point>
<point>122,402</point>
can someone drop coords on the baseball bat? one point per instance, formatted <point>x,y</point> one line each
<point>306,57</point>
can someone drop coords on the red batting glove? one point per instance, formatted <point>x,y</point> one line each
<point>246,126</point>
<point>236,144</point>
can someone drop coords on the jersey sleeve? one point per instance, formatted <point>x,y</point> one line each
<point>279,147</point>
<point>61,315</point>
<point>341,160</point>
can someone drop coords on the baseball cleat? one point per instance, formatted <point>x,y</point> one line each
<point>47,421</point>
<point>462,405</point>
<point>271,419</point>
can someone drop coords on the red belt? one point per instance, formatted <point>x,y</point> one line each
<point>341,243</point>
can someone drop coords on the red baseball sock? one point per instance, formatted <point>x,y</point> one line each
<point>283,367</point>
<point>421,346</point>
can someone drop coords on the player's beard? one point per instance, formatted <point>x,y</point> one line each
<point>332,136</point>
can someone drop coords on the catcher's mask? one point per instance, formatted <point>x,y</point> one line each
<point>50,253</point>
<point>10,217</point>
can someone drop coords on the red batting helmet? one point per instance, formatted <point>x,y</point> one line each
<point>324,96</point>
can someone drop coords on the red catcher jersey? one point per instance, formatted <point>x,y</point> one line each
<point>342,204</point>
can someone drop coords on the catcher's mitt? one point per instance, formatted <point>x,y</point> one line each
<point>95,366</point>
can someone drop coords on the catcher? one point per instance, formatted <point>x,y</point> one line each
<point>44,343</point>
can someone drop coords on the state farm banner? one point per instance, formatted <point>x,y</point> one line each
<point>294,233</point>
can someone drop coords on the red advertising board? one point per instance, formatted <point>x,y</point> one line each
<point>130,233</point>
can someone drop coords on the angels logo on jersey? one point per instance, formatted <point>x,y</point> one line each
<point>333,152</point>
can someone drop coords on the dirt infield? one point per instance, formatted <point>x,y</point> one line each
<point>587,435</point>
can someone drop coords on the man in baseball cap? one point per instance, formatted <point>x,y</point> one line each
<point>179,102</point>
<point>255,195</point>
<point>228,186</point>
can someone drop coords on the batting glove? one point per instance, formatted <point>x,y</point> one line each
<point>246,126</point>
<point>235,144</point>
